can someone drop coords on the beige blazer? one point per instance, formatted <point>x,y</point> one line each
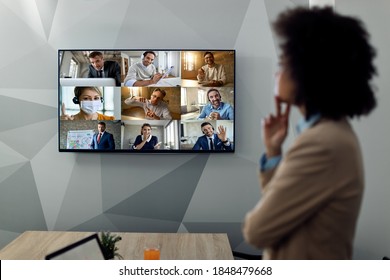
<point>310,202</point>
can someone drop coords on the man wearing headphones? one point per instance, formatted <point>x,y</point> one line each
<point>211,141</point>
<point>102,140</point>
<point>216,110</point>
<point>143,73</point>
<point>99,68</point>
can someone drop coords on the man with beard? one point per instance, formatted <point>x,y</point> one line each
<point>211,74</point>
<point>216,110</point>
<point>143,73</point>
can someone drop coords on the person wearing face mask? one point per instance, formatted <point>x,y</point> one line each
<point>155,108</point>
<point>212,141</point>
<point>211,74</point>
<point>146,141</point>
<point>90,101</point>
<point>102,140</point>
<point>143,73</point>
<point>216,110</point>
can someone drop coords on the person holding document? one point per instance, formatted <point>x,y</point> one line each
<point>143,73</point>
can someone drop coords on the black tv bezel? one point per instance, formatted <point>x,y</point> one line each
<point>132,151</point>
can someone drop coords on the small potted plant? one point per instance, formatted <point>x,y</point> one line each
<point>108,241</point>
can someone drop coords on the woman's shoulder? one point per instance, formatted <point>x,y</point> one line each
<point>102,117</point>
<point>329,134</point>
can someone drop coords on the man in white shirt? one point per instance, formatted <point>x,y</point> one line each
<point>143,73</point>
<point>155,108</point>
<point>211,74</point>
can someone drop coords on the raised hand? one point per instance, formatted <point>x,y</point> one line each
<point>151,114</point>
<point>64,116</point>
<point>222,133</point>
<point>141,99</point>
<point>275,129</point>
<point>201,73</point>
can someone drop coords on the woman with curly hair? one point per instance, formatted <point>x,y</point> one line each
<point>311,196</point>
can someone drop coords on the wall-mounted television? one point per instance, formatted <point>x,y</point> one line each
<point>146,101</point>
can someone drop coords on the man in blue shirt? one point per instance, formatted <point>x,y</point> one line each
<point>216,110</point>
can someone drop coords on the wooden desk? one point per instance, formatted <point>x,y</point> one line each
<point>194,83</point>
<point>35,245</point>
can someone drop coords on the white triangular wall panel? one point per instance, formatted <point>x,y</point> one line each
<point>85,24</point>
<point>220,188</point>
<point>83,197</point>
<point>38,68</point>
<point>52,172</point>
<point>9,156</point>
<point>6,171</point>
<point>27,11</point>
<point>128,174</point>
<point>134,34</point>
<point>28,140</point>
<point>48,97</point>
<point>47,9</point>
<point>18,39</point>
<point>182,229</point>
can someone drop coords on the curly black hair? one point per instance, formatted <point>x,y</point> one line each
<point>330,60</point>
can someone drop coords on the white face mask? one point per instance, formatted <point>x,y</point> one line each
<point>91,107</point>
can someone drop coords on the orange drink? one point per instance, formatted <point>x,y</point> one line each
<point>151,254</point>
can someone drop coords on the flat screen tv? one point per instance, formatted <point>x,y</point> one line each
<point>146,101</point>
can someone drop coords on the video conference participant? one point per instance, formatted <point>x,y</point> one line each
<point>90,101</point>
<point>212,141</point>
<point>311,197</point>
<point>143,73</point>
<point>99,68</point>
<point>102,140</point>
<point>146,141</point>
<point>155,108</point>
<point>216,110</point>
<point>213,74</point>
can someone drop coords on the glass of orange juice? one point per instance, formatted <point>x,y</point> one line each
<point>152,252</point>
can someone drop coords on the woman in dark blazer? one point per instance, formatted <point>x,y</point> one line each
<point>146,141</point>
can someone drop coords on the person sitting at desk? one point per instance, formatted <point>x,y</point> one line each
<point>211,74</point>
<point>211,140</point>
<point>143,73</point>
<point>90,101</point>
<point>216,110</point>
<point>155,108</point>
<point>146,141</point>
<point>99,68</point>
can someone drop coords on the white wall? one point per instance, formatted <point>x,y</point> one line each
<point>373,234</point>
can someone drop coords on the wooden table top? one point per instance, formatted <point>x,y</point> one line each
<point>35,245</point>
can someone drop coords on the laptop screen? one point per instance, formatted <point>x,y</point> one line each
<point>88,248</point>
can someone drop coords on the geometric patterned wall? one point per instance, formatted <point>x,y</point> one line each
<point>42,189</point>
